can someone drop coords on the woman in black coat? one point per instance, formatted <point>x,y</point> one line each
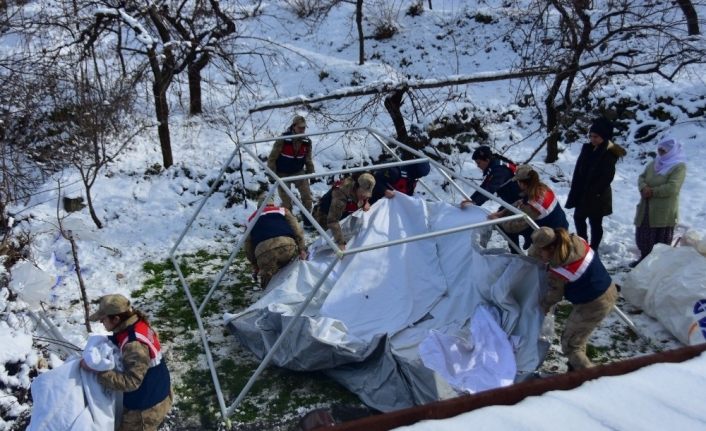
<point>590,192</point>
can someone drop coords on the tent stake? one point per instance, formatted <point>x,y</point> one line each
<point>630,324</point>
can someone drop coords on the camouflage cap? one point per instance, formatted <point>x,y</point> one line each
<point>298,120</point>
<point>261,199</point>
<point>366,183</point>
<point>543,237</point>
<point>522,173</point>
<point>111,305</point>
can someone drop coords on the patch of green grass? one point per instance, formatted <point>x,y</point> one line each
<point>562,312</point>
<point>595,353</point>
<point>277,393</point>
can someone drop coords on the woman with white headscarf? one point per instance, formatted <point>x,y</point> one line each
<point>659,185</point>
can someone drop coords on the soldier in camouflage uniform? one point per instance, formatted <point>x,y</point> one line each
<point>344,198</point>
<point>145,380</point>
<point>291,157</point>
<point>577,274</point>
<point>273,242</point>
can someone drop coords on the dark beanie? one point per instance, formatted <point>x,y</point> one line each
<point>417,170</point>
<point>603,128</point>
<point>483,152</point>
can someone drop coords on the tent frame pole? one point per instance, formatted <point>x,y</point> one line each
<point>283,183</point>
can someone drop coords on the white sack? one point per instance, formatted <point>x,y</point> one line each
<point>70,398</point>
<point>670,285</point>
<point>482,361</point>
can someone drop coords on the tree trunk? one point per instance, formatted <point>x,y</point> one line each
<point>692,19</point>
<point>393,104</point>
<point>194,74</point>
<point>552,122</point>
<point>91,210</point>
<point>162,110</point>
<point>552,143</point>
<point>359,24</point>
<point>82,286</point>
<point>429,4</point>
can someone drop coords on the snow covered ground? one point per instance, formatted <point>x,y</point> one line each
<point>633,401</point>
<point>144,213</point>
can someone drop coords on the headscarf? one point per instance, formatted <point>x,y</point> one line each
<point>673,156</point>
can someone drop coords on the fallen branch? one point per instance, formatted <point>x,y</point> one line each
<point>402,86</point>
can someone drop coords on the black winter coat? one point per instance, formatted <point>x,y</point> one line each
<point>590,187</point>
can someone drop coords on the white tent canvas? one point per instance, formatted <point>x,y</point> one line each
<point>364,326</point>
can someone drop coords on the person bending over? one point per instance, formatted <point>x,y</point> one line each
<point>145,380</point>
<point>577,274</point>
<point>343,199</point>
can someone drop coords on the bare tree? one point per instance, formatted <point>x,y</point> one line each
<point>101,127</point>
<point>68,235</point>
<point>625,38</point>
<point>171,37</point>
<point>359,26</point>
<point>207,28</point>
<point>692,18</point>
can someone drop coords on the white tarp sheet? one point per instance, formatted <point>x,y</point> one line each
<point>365,324</point>
<point>670,285</point>
<point>480,362</point>
<point>71,398</point>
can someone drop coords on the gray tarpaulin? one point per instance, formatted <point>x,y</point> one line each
<point>365,324</point>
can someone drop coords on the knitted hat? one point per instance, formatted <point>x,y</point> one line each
<point>298,120</point>
<point>483,152</point>
<point>366,183</point>
<point>522,173</point>
<point>602,127</point>
<point>111,305</point>
<point>417,170</point>
<point>543,237</point>
<point>261,199</point>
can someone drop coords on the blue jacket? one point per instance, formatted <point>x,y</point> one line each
<point>288,161</point>
<point>156,384</point>
<point>587,278</point>
<point>497,180</point>
<point>271,224</point>
<point>556,218</point>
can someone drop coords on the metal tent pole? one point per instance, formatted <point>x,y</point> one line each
<point>268,357</point>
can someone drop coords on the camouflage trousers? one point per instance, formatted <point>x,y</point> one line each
<point>145,420</point>
<point>320,216</point>
<point>584,318</point>
<point>304,193</point>
<point>272,255</point>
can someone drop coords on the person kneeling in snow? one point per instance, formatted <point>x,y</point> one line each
<point>273,241</point>
<point>577,274</point>
<point>145,380</point>
<point>343,199</point>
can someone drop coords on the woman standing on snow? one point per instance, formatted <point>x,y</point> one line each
<point>659,186</point>
<point>145,380</point>
<point>577,274</point>
<point>590,192</point>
